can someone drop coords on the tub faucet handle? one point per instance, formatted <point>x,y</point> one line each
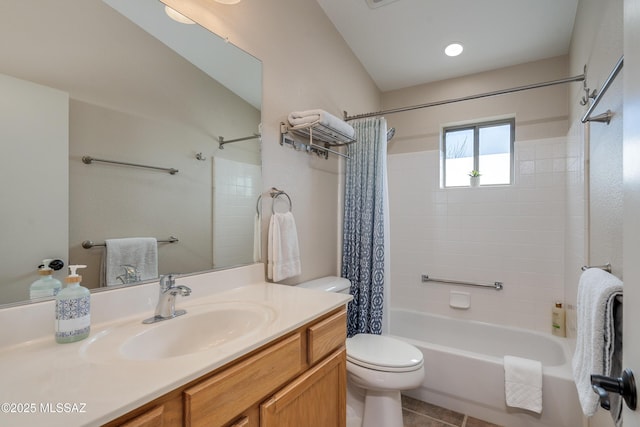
<point>625,386</point>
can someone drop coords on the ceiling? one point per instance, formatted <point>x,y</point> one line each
<point>401,42</point>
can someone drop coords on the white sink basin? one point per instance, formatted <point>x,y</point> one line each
<point>204,327</point>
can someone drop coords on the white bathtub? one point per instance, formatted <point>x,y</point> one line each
<point>464,370</point>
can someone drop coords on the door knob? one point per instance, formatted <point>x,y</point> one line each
<point>625,386</point>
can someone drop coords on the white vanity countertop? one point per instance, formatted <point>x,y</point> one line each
<point>49,384</point>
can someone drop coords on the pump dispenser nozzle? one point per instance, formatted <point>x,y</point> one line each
<point>45,270</point>
<point>74,277</point>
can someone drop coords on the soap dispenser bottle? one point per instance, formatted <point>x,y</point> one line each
<point>558,320</point>
<point>73,305</point>
<point>46,285</point>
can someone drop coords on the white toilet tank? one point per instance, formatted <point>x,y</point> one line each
<point>328,284</point>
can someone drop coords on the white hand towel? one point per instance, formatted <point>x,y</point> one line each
<point>597,290</point>
<point>523,383</point>
<point>282,250</point>
<point>138,252</point>
<point>326,119</point>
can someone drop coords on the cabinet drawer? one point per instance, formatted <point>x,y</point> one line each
<point>326,336</point>
<point>220,399</point>
<point>151,418</point>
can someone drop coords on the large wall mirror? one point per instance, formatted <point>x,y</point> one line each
<point>119,80</point>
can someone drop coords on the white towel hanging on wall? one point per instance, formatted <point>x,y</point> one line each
<point>595,340</point>
<point>282,250</point>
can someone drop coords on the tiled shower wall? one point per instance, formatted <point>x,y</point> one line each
<point>236,187</point>
<point>513,234</point>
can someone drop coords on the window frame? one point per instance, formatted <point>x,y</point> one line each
<point>476,126</point>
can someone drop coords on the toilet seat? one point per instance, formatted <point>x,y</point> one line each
<point>382,353</point>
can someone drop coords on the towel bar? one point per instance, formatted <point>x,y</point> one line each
<point>606,267</point>
<point>88,244</point>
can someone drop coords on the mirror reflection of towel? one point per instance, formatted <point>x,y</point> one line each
<point>282,250</point>
<point>141,253</point>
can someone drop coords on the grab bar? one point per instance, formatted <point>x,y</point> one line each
<point>498,286</point>
<point>88,244</point>
<point>606,267</point>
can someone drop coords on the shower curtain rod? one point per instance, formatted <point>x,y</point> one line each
<point>579,78</point>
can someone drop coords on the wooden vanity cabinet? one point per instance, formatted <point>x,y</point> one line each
<point>297,380</point>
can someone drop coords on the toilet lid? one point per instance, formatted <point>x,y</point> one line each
<point>383,353</point>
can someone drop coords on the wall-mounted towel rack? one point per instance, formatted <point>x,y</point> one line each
<point>274,193</point>
<point>318,132</point>
<point>88,244</point>
<point>88,160</point>
<point>606,116</point>
<point>222,142</point>
<point>606,267</point>
<point>498,286</point>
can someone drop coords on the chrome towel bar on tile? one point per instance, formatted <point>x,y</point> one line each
<point>495,285</point>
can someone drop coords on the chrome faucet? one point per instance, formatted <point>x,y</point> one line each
<point>166,308</point>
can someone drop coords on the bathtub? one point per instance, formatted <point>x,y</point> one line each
<point>464,370</point>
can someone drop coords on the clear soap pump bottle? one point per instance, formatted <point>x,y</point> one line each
<point>73,309</point>
<point>46,285</point>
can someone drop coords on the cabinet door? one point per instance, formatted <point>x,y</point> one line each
<point>318,398</point>
<point>222,398</point>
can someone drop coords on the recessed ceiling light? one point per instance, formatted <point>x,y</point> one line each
<point>454,49</point>
<point>177,16</point>
<point>228,1</point>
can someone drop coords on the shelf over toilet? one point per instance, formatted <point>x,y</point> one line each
<point>315,132</point>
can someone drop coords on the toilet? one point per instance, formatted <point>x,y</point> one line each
<point>378,369</point>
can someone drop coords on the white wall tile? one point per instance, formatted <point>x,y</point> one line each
<point>513,234</point>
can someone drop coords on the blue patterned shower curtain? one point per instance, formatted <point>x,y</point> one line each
<point>363,250</point>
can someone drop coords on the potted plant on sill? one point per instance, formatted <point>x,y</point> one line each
<point>474,178</point>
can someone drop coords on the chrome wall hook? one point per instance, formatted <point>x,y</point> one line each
<point>588,93</point>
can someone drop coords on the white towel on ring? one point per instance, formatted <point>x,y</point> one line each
<point>283,252</point>
<point>523,383</point>
<point>326,119</point>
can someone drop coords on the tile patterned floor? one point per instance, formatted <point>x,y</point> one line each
<point>421,414</point>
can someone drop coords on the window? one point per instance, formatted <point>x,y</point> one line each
<point>485,147</point>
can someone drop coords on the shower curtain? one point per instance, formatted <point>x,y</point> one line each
<point>363,247</point>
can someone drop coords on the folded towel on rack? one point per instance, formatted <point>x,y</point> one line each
<point>595,342</point>
<point>328,120</point>
<point>523,383</point>
<point>282,250</point>
<point>128,260</point>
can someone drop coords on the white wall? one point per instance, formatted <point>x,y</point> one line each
<point>513,234</point>
<point>34,131</point>
<point>594,187</point>
<point>594,227</point>
<point>306,64</point>
<point>631,354</point>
